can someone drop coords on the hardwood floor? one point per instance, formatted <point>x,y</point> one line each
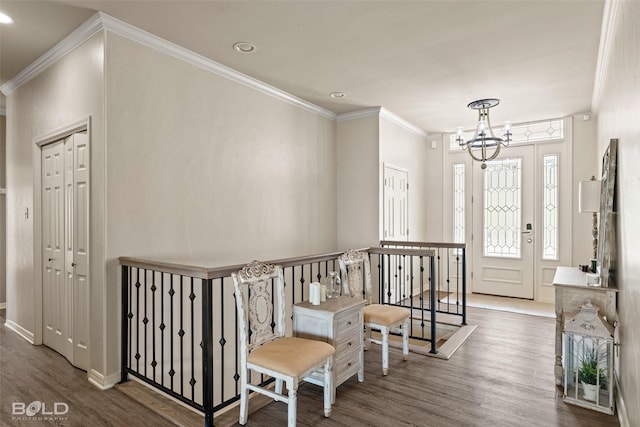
<point>36,373</point>
<point>501,376</point>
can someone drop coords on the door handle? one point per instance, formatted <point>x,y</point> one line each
<point>73,264</point>
<point>51,259</point>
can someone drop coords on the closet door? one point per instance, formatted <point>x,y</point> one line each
<point>56,284</point>
<point>65,236</point>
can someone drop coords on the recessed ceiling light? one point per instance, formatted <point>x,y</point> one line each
<point>5,19</point>
<point>244,47</point>
<point>337,95</point>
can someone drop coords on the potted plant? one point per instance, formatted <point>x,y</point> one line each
<point>590,375</point>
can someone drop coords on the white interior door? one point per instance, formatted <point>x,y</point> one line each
<point>56,292</point>
<point>65,231</point>
<point>78,262</point>
<point>396,200</point>
<point>503,224</point>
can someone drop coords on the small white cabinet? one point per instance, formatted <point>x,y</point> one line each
<point>339,322</point>
<point>572,292</point>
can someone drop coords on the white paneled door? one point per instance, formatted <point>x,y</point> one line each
<point>65,240</point>
<point>503,218</point>
<point>396,200</point>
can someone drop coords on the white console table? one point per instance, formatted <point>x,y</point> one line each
<point>571,292</point>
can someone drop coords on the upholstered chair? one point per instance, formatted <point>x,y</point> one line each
<point>356,273</point>
<point>259,292</point>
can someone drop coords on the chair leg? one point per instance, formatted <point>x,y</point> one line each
<point>279,386</point>
<point>329,389</point>
<point>292,386</point>
<point>244,400</point>
<point>405,339</point>
<point>385,349</point>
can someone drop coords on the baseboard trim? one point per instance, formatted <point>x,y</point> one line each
<point>102,382</point>
<point>20,331</point>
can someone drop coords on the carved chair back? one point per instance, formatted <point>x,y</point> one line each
<point>356,271</point>
<point>259,293</point>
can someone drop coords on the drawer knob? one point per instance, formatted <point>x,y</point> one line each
<point>349,364</point>
<point>349,343</point>
<point>349,322</point>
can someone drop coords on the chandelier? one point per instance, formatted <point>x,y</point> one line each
<point>484,145</point>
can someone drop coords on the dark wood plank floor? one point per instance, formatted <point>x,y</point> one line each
<point>29,373</point>
<point>501,376</point>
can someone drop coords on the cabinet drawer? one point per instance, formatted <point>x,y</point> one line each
<point>347,321</point>
<point>348,342</point>
<point>346,365</point>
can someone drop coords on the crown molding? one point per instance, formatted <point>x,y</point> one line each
<point>609,15</point>
<point>140,36</point>
<point>382,112</point>
<point>394,118</point>
<point>81,34</point>
<point>359,114</point>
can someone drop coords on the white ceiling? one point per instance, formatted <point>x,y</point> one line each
<point>422,60</point>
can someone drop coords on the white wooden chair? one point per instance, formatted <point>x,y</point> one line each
<point>259,292</point>
<point>356,272</point>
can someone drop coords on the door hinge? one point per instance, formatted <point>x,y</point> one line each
<point>407,185</point>
<point>472,274</point>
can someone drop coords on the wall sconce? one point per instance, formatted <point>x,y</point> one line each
<point>589,202</point>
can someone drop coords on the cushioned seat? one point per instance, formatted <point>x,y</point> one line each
<point>277,355</point>
<point>356,272</point>
<point>384,314</point>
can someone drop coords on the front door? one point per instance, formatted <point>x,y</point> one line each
<point>503,224</point>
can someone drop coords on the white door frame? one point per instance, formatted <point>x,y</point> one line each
<point>38,142</point>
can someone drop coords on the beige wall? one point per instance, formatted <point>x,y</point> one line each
<point>585,163</point>
<point>67,91</point>
<point>358,169</point>
<point>618,112</point>
<point>3,211</point>
<point>209,171</point>
<point>408,150</point>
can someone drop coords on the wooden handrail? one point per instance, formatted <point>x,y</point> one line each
<point>423,244</point>
<point>218,272</point>
<point>403,251</point>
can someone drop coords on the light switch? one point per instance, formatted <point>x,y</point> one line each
<point>434,144</point>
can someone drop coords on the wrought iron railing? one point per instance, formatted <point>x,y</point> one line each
<point>450,271</point>
<point>179,322</point>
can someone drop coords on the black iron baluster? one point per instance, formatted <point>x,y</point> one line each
<point>432,297</point>
<point>181,335</point>
<point>464,286</point>
<point>123,327</point>
<point>207,351</point>
<point>171,294</point>
<point>145,320</point>
<point>137,356</point>
<point>192,381</point>
<point>162,327</point>
<point>422,321</point>
<point>153,323</point>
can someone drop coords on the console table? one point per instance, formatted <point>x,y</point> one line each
<point>572,291</point>
<point>338,321</point>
